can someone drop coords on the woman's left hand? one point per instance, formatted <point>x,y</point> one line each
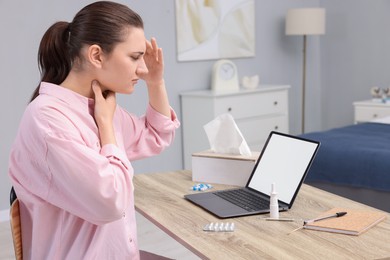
<point>155,63</point>
<point>154,78</point>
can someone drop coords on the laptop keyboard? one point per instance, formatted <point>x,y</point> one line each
<point>244,199</point>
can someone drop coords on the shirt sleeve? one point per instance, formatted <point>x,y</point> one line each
<point>147,135</point>
<point>94,183</point>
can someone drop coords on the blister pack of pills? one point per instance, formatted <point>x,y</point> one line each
<point>201,187</point>
<point>219,227</point>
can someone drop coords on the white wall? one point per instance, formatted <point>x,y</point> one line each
<point>278,60</point>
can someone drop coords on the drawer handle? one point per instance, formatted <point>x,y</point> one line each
<point>229,109</point>
<point>375,115</point>
<point>276,127</point>
<point>275,103</point>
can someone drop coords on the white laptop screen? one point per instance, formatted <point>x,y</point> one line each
<point>284,162</point>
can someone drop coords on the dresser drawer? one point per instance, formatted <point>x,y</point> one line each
<point>363,114</point>
<point>252,105</point>
<point>256,130</point>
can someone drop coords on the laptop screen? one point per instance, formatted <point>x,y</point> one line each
<point>284,161</point>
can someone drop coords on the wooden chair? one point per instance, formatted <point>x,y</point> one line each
<point>16,229</point>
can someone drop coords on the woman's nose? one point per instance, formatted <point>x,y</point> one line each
<point>142,69</point>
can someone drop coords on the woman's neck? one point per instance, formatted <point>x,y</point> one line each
<point>79,82</point>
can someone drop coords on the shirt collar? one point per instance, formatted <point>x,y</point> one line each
<point>68,96</point>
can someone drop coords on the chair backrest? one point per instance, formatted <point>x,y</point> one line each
<point>16,230</point>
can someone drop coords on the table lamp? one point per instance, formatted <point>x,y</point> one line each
<point>305,21</point>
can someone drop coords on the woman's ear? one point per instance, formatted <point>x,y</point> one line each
<point>95,55</point>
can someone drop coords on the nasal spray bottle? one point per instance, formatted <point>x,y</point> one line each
<point>274,205</point>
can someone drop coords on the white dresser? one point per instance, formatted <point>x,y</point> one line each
<point>369,110</point>
<point>256,112</point>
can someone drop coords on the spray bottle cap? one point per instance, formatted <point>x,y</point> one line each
<point>273,190</point>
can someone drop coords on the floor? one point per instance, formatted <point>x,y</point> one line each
<point>150,237</point>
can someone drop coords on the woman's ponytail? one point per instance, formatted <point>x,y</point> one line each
<point>53,56</point>
<point>104,23</point>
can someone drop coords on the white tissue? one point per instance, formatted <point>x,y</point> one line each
<point>225,137</point>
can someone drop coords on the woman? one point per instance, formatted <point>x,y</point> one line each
<point>70,163</point>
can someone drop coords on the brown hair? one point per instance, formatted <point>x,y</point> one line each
<point>102,23</point>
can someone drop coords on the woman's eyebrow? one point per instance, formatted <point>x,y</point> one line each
<point>139,52</point>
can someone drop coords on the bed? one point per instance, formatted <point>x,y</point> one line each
<point>354,162</point>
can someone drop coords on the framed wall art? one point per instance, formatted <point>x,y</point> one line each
<point>215,29</point>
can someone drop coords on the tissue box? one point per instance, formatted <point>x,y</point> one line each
<point>231,169</point>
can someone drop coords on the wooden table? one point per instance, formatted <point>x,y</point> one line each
<point>159,197</point>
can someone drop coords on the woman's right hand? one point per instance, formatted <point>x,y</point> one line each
<point>105,105</point>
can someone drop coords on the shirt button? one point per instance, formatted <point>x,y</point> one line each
<point>130,240</point>
<point>97,144</point>
<point>124,214</point>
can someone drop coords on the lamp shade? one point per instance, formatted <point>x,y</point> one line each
<point>305,21</point>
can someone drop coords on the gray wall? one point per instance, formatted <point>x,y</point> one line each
<point>355,55</point>
<point>278,60</point>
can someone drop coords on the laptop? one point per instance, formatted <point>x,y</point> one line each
<point>284,162</point>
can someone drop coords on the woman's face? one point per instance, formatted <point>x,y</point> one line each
<point>119,71</point>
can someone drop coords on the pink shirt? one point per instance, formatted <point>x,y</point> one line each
<point>76,197</point>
